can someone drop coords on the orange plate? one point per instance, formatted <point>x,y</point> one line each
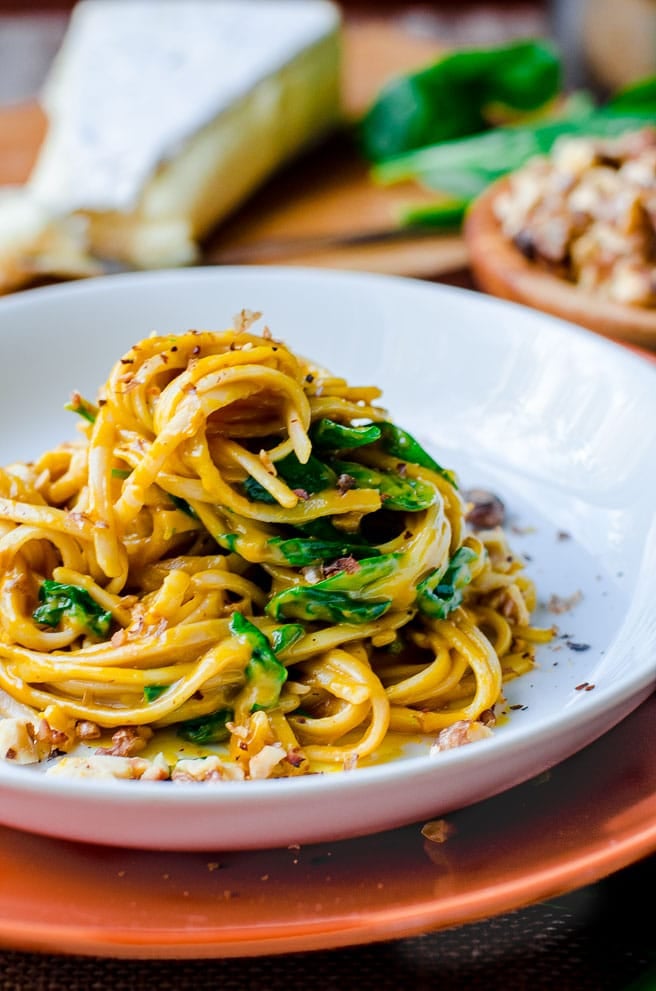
<point>590,816</point>
<point>501,269</point>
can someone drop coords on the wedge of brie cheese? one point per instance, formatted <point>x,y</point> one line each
<point>164,115</point>
<point>34,247</point>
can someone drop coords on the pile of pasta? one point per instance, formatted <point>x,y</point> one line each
<point>243,553</point>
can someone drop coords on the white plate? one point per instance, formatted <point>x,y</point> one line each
<point>562,424</point>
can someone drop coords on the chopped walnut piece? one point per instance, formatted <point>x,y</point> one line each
<point>586,213</point>
<point>56,739</point>
<point>119,638</point>
<point>296,758</point>
<point>18,742</point>
<point>347,564</point>
<point>462,732</point>
<point>158,770</point>
<point>109,766</point>
<point>86,730</point>
<point>488,717</point>
<point>244,320</point>
<point>128,741</point>
<point>263,763</point>
<point>558,604</point>
<point>437,830</point>
<point>345,482</point>
<point>484,510</point>
<point>200,769</point>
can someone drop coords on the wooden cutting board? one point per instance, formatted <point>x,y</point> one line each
<point>302,215</point>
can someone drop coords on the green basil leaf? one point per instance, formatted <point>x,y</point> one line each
<point>327,435</point>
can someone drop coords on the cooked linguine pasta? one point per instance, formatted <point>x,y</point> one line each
<point>243,553</point>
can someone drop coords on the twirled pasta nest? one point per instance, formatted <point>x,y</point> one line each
<point>244,553</point>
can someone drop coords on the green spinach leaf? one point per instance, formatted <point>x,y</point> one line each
<point>452,97</point>
<point>441,592</point>
<point>59,600</point>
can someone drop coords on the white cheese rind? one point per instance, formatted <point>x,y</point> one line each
<point>164,115</point>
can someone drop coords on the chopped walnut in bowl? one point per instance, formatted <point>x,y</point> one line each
<point>573,233</point>
<point>587,213</point>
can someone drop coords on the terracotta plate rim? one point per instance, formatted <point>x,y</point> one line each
<point>622,845</point>
<point>376,926</point>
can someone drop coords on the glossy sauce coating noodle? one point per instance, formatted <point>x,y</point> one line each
<point>245,548</point>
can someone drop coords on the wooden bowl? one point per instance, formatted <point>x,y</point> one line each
<point>498,267</point>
